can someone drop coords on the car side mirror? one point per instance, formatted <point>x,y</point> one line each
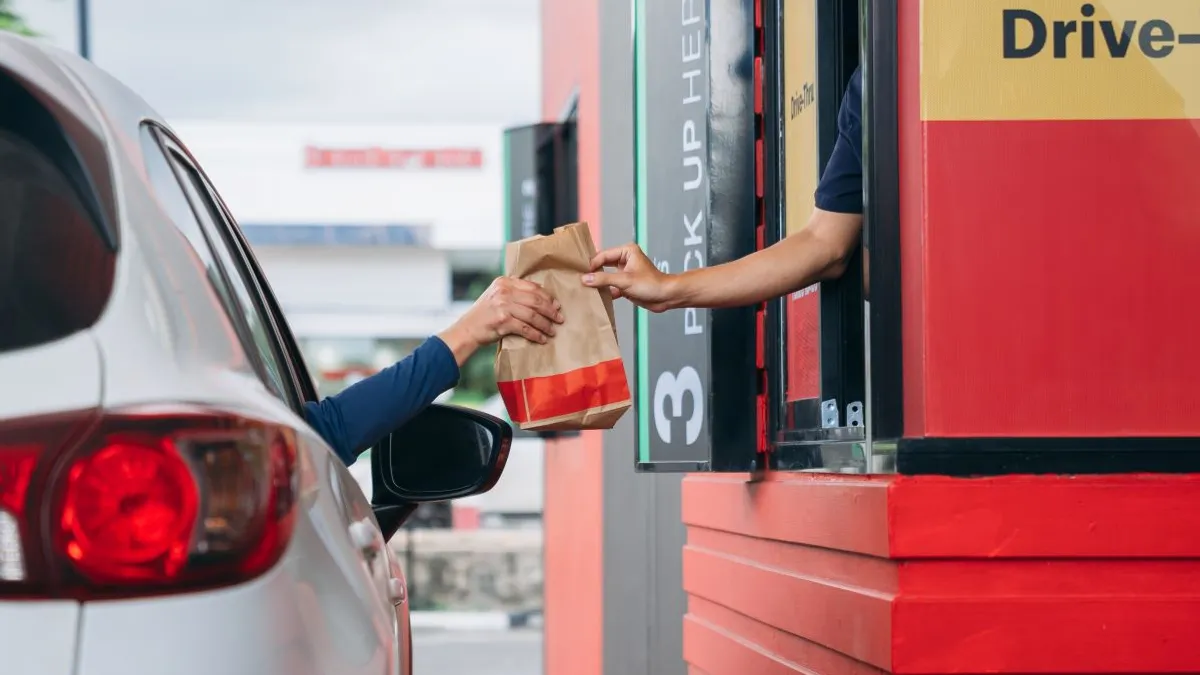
<point>445,452</point>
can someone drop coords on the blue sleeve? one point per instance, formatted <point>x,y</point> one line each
<point>841,186</point>
<point>364,413</point>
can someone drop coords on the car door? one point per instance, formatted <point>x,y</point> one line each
<point>378,557</point>
<point>286,371</point>
<point>354,504</point>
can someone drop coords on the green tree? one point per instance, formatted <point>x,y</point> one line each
<point>9,21</point>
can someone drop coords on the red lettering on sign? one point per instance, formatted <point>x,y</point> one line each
<point>388,158</point>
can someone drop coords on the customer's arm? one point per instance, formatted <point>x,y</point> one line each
<point>363,413</point>
<point>367,411</point>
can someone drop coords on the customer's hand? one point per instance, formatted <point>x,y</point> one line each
<point>508,307</point>
<point>636,278</point>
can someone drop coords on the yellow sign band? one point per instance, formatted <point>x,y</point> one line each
<point>1060,59</point>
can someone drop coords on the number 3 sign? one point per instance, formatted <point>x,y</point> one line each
<point>670,386</point>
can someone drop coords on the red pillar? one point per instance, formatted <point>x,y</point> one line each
<point>574,515</point>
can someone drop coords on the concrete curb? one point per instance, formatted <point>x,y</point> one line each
<point>477,621</point>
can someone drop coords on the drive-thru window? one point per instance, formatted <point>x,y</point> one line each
<point>728,162</point>
<point>729,147</point>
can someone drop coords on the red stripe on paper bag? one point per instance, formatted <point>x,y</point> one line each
<point>541,398</point>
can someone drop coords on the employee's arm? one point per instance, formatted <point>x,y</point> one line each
<point>365,412</point>
<point>819,251</point>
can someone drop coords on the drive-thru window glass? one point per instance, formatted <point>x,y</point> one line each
<point>817,368</point>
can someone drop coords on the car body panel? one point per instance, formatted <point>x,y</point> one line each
<point>38,637</point>
<point>38,395</point>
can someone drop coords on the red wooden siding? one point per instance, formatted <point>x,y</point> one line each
<point>805,573</point>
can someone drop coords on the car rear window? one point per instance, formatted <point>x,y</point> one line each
<point>56,271</point>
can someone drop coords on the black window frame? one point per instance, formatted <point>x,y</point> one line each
<point>179,213</point>
<point>881,226</point>
<point>175,152</point>
<point>293,357</point>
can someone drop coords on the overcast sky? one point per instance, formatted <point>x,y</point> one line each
<point>387,61</point>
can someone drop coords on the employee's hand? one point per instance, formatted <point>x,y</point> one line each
<point>508,307</point>
<point>636,278</point>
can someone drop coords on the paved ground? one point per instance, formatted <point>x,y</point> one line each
<point>503,652</point>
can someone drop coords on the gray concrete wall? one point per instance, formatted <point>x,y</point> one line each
<point>472,570</point>
<point>644,535</point>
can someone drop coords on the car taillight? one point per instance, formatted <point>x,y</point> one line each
<point>16,469</point>
<point>144,501</point>
<point>129,510</point>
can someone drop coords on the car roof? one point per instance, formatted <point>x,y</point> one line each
<point>68,78</point>
<point>100,114</point>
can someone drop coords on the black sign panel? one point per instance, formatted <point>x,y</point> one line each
<point>521,179</point>
<point>695,207</point>
<point>540,179</point>
<point>541,189</point>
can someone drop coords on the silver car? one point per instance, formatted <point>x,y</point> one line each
<point>164,507</point>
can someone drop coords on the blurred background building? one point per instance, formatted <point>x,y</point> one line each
<point>373,237</point>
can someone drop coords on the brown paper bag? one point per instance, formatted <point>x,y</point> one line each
<point>576,380</point>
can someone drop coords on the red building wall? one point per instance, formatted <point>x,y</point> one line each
<point>574,502</point>
<point>1055,224</point>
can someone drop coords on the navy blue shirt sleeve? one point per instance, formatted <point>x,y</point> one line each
<point>364,413</point>
<point>841,187</point>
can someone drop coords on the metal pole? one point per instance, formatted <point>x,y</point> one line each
<point>85,48</point>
